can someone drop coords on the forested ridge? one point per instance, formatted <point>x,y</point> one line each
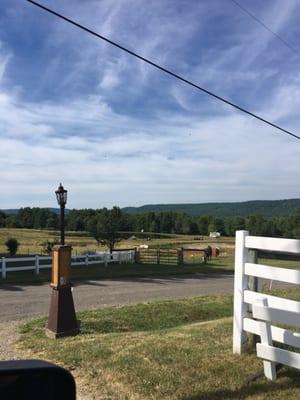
<point>266,208</point>
<point>161,222</point>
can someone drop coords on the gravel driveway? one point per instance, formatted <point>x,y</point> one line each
<point>9,333</point>
<point>27,301</point>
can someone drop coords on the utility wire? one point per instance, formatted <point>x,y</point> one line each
<point>163,69</point>
<point>266,27</point>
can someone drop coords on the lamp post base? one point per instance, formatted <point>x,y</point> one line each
<point>62,317</point>
<point>54,335</point>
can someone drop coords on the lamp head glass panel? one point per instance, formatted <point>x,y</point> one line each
<point>61,195</point>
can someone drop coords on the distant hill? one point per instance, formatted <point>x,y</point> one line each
<point>10,211</point>
<point>266,208</point>
<point>14,211</point>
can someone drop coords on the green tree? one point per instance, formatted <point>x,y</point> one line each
<point>178,223</point>
<point>216,225</point>
<point>234,224</point>
<point>296,225</point>
<point>167,222</point>
<point>2,219</point>
<point>52,222</point>
<point>254,224</point>
<point>12,222</point>
<point>106,227</point>
<point>12,246</point>
<point>25,217</point>
<point>203,223</point>
<point>194,230</point>
<point>186,224</point>
<point>48,246</point>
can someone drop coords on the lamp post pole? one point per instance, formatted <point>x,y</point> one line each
<point>61,196</point>
<point>62,317</point>
<point>62,225</point>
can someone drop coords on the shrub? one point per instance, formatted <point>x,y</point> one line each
<point>12,246</point>
<point>48,246</point>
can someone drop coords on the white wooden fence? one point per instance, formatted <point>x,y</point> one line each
<point>266,309</point>
<point>36,263</point>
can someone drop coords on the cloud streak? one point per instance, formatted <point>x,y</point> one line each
<point>109,126</point>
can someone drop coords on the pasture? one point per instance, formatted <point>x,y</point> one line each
<point>31,241</point>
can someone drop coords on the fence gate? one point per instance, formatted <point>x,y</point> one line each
<point>267,310</point>
<point>159,256</point>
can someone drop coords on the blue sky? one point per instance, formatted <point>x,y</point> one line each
<point>117,131</point>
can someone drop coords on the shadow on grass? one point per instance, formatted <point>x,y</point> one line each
<point>11,288</point>
<point>96,281</point>
<point>143,272</point>
<point>265,387</point>
<point>88,283</point>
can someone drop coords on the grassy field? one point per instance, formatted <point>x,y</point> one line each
<point>32,240</point>
<point>32,243</point>
<point>161,350</point>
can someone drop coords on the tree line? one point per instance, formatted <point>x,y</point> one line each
<point>93,220</point>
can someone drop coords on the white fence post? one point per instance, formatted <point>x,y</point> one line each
<point>266,339</point>
<point>37,265</point>
<point>3,268</point>
<point>86,260</point>
<point>240,284</point>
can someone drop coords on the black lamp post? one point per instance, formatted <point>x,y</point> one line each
<point>62,317</point>
<point>61,196</point>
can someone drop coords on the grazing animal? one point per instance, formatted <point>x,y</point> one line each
<point>208,252</point>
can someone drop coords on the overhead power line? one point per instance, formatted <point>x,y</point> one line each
<point>266,27</point>
<point>84,28</point>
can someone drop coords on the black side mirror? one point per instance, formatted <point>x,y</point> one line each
<point>35,380</point>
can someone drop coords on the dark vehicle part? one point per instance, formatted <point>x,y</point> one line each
<point>35,380</point>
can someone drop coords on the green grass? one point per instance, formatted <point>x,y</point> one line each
<point>152,316</point>
<point>162,350</point>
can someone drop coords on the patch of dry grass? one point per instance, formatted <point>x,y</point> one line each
<point>31,240</point>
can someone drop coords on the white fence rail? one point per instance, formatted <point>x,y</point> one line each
<point>36,263</point>
<point>266,309</point>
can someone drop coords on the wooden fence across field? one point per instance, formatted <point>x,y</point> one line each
<point>171,256</point>
<point>159,256</point>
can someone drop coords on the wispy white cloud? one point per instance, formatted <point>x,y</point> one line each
<point>128,135</point>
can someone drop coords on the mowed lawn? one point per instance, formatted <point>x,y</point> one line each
<point>162,350</point>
